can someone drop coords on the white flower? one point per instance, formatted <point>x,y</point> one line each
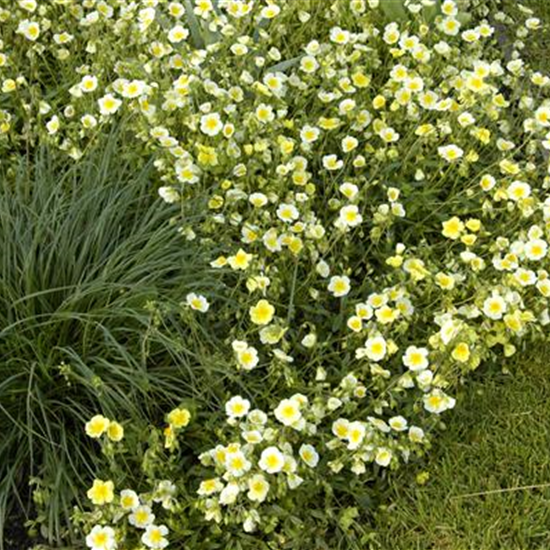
<point>309,64</point>
<point>283,356</point>
<point>379,424</point>
<point>276,83</point>
<point>391,33</point>
<point>287,213</point>
<point>416,434</point>
<point>264,113</point>
<point>449,8</point>
<point>53,125</point>
<point>309,455</point>
<point>518,190</point>
<point>536,249</point>
<point>253,436</point>
<point>177,34</point>
<point>101,538</point>
<point>197,302</point>
<point>29,5</point>
<point>349,216</point>
<point>339,285</point>
<point>356,434</point>
<point>339,36</point>
<point>176,9</point>
<point>211,124</point>
<point>187,173</point>
<point>437,402</point>
<point>229,494</point>
<point>133,88</point>
<point>288,412</point>
<point>237,407</point>
<point>389,135</point>
<point>450,153</point>
<point>323,269</point>
<point>88,121</point>
<point>141,517</point>
<point>494,307</point>
<point>349,190</point>
<point>383,457</point>
<point>466,119</point>
<point>203,8</point>
<point>294,481</point>
<point>257,199</point>
<point>237,464</point>
<point>270,11</point>
<point>250,523</point>
<point>398,423</point>
<point>258,487</point>
<point>309,134</point>
<point>129,499</point>
<point>164,493</point>
<point>309,340</point>
<point>376,348</point>
<point>449,329</point>
<point>88,83</point>
<point>542,116</point>
<point>525,277</point>
<point>155,536</point>
<point>416,359</point>
<point>331,162</point>
<point>450,26</point>
<point>487,182</point>
<point>210,487</point>
<point>349,143</point>
<point>424,378</point>
<point>257,417</point>
<point>146,17</point>
<point>29,29</point>
<point>108,104</point>
<point>272,460</point>
<point>247,357</point>
<point>340,427</point>
<point>169,194</point>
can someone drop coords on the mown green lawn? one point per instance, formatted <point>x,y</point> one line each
<point>489,484</point>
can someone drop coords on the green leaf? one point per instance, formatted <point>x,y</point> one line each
<point>284,65</point>
<point>431,12</point>
<point>347,517</point>
<point>262,24</point>
<point>394,9</point>
<point>464,18</point>
<point>194,25</point>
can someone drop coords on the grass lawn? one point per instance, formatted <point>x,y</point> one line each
<point>480,493</point>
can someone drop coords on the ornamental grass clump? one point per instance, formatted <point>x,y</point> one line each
<point>376,184</point>
<point>88,258</point>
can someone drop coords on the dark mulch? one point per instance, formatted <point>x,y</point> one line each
<point>15,532</point>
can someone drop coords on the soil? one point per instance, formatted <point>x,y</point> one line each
<point>15,533</point>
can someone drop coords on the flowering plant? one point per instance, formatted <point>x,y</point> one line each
<point>377,180</point>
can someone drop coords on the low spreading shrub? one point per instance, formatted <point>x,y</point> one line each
<point>376,179</point>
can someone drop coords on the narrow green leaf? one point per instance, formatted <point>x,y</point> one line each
<point>431,12</point>
<point>394,9</point>
<point>194,25</point>
<point>284,65</point>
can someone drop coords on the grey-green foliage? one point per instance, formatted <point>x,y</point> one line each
<point>85,252</point>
